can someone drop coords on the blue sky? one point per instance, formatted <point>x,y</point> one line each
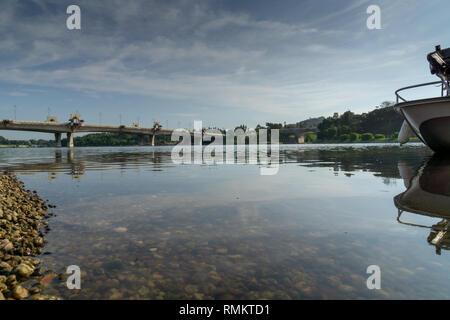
<point>223,62</point>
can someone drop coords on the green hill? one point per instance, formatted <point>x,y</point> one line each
<point>383,121</point>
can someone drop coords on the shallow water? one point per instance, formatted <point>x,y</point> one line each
<point>141,227</point>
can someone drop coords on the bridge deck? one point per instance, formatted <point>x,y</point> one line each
<point>70,128</point>
<point>61,127</point>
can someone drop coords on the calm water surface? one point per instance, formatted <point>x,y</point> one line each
<point>141,227</point>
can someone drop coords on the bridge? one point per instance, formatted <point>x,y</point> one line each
<point>77,125</point>
<point>299,133</point>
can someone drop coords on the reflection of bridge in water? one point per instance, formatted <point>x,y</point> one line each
<point>76,164</point>
<point>60,164</point>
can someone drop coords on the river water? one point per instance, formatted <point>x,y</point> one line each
<point>141,227</point>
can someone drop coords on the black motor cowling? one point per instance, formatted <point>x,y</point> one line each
<point>440,63</point>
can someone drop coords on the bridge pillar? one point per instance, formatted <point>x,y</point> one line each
<point>152,138</point>
<point>58,139</point>
<point>141,140</point>
<point>69,139</point>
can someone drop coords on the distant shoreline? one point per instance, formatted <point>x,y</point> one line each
<point>164,145</point>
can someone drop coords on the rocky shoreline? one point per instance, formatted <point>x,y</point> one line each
<point>22,229</point>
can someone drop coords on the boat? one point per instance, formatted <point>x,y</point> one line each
<point>427,194</point>
<point>429,118</point>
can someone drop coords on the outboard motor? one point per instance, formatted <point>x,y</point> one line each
<point>440,63</point>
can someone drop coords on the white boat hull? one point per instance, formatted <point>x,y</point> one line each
<point>430,121</point>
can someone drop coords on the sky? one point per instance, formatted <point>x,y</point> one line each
<point>223,62</point>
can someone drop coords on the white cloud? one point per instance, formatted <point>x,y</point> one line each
<point>18,94</point>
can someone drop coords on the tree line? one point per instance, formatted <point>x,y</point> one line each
<point>381,123</point>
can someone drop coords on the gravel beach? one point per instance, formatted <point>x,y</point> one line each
<point>22,229</point>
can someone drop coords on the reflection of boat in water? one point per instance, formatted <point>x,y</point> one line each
<point>428,194</point>
<point>429,119</point>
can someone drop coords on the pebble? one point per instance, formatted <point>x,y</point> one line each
<point>43,297</point>
<point>24,270</point>
<point>20,292</point>
<point>5,268</point>
<point>5,244</point>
